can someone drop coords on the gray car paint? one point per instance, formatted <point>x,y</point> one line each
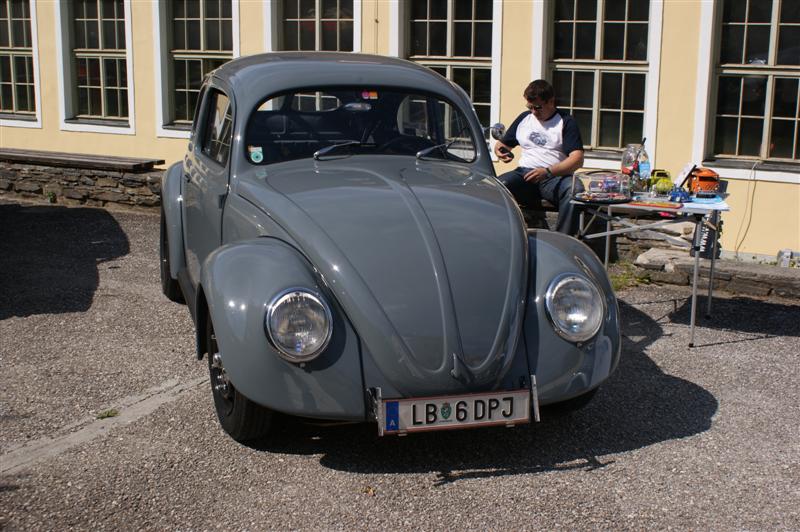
<point>452,227</point>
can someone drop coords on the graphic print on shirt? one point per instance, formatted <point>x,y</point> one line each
<point>537,138</point>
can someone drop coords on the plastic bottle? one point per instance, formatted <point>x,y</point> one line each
<point>636,163</point>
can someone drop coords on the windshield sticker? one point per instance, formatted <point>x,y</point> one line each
<point>256,153</point>
<point>369,95</point>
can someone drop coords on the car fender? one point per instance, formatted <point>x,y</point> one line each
<point>171,198</point>
<point>564,369</point>
<point>238,282</point>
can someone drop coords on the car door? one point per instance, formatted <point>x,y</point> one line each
<point>206,172</point>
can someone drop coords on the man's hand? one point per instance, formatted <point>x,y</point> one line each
<point>536,175</point>
<point>503,152</point>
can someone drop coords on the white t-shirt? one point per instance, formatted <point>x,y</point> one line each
<point>543,143</point>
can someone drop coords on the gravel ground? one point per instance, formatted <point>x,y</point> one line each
<point>702,438</point>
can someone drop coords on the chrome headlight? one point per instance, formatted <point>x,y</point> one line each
<point>299,325</point>
<point>574,306</point>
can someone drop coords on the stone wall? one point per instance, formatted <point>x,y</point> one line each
<point>80,186</point>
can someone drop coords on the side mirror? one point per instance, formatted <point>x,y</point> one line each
<point>497,131</point>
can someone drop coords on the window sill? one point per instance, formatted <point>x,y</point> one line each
<point>98,122</point>
<point>178,127</point>
<point>18,117</point>
<point>742,169</point>
<point>769,166</point>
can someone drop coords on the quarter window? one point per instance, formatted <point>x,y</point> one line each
<point>757,78</point>
<point>217,138</point>
<point>16,59</point>
<point>200,40</point>
<point>317,25</point>
<point>599,64</point>
<point>454,38</point>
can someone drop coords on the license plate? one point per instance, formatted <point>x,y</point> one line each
<point>455,411</point>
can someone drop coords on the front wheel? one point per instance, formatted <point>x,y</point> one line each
<point>240,417</point>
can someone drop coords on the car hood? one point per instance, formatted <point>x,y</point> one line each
<point>427,259</point>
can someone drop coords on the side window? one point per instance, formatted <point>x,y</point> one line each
<point>196,119</point>
<point>217,133</point>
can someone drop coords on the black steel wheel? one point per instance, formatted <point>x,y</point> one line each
<point>169,286</point>
<point>240,417</point>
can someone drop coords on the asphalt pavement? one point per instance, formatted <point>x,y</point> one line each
<point>107,421</point>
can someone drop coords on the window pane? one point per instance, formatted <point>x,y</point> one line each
<point>193,35</point>
<point>785,101</point>
<point>346,36</point>
<point>562,85</point>
<point>419,9</point>
<point>632,128</point>
<point>462,39</point>
<point>94,72</point>
<point>725,142</point>
<point>95,102</point>
<point>112,107</point>
<point>345,8</point>
<point>789,45</point>
<point>178,35</point>
<point>212,8</point>
<point>419,38</point>
<point>329,37</point>
<point>308,33</point>
<point>754,96</point>
<point>609,129</point>
<point>615,10</point>
<point>212,35</point>
<point>180,73</point>
<point>761,10</point>
<point>757,44</point>
<point>587,10</point>
<point>92,34</point>
<point>565,10</point>
<point>438,9</point>
<point>483,10</point>
<point>195,72</point>
<point>728,95</point>
<point>732,44</point>
<point>750,136</point>
<point>563,40</point>
<point>483,85</point>
<point>329,9</point>
<point>483,39</point>
<point>83,101</point>
<point>790,11</point>
<point>611,91</point>
<point>463,9</point>
<point>636,48</point>
<point>584,41</point>
<point>22,98</point>
<point>90,6</point>
<point>181,106</point>
<point>290,37</point>
<point>584,89</point>
<point>290,8</point>
<point>227,8</point>
<point>438,44</point>
<point>5,69</point>
<point>4,36</point>
<point>109,35</point>
<point>613,40</point>
<point>638,9</point>
<point>110,71</point>
<point>308,9</point>
<point>193,8</point>
<point>584,120</point>
<point>461,78</point>
<point>782,137</point>
<point>634,91</point>
<point>227,36</point>
<point>733,11</point>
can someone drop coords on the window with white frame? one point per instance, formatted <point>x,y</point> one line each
<point>454,38</point>
<point>325,25</point>
<point>16,59</point>
<point>599,68</point>
<point>100,83</point>
<point>758,81</point>
<point>200,39</point>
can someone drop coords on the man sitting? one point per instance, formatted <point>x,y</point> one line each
<point>551,152</point>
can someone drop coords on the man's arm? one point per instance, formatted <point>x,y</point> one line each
<point>566,167</point>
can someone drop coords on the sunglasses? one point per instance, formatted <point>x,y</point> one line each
<point>534,107</point>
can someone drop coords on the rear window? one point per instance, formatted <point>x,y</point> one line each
<point>298,124</point>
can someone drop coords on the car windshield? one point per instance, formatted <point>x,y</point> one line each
<point>342,122</point>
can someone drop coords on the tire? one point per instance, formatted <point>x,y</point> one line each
<point>169,286</point>
<point>240,417</point>
<point>565,408</point>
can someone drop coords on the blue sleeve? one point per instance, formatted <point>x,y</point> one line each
<point>570,135</point>
<point>510,138</point>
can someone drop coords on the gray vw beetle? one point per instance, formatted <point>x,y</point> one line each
<point>346,253</point>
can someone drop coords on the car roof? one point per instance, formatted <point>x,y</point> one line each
<point>254,77</point>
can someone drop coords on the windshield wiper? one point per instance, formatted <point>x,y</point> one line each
<point>327,149</point>
<point>444,146</point>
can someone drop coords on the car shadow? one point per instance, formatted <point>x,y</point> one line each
<point>763,318</point>
<point>638,406</point>
<point>49,257</point>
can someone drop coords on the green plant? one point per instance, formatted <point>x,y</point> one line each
<point>625,275</point>
<point>111,412</point>
<point>51,196</point>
